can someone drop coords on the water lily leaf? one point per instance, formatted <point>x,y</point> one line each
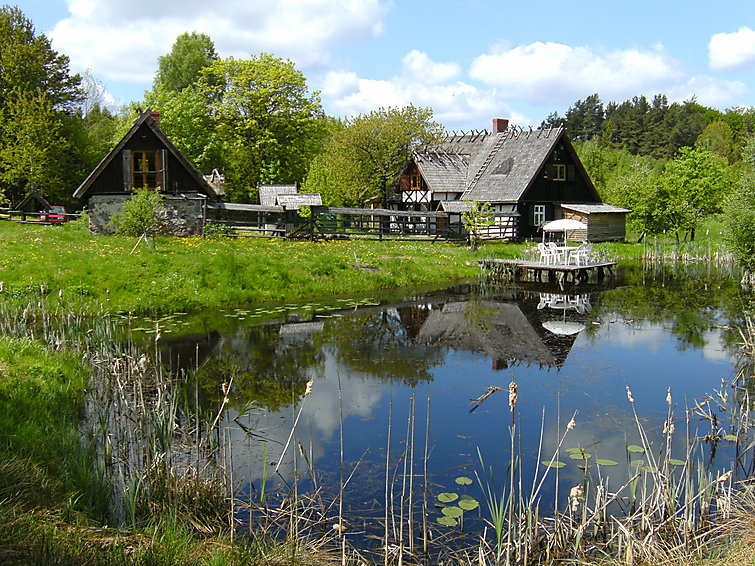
<point>454,512</point>
<point>447,521</point>
<point>731,437</point>
<point>447,497</point>
<point>580,456</point>
<point>649,469</point>
<point>463,480</point>
<point>636,463</point>
<point>636,449</point>
<point>675,462</point>
<point>553,463</point>
<point>604,462</point>
<point>468,504</point>
<point>571,450</point>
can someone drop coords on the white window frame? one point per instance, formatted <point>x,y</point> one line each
<point>538,214</point>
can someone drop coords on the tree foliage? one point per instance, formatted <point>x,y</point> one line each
<point>181,68</point>
<point>739,217</point>
<point>37,93</point>
<point>364,158</point>
<point>254,119</point>
<point>36,152</point>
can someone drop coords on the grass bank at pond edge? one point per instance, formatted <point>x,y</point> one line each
<point>53,502</point>
<point>88,273</point>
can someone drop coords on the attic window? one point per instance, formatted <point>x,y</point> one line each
<point>555,172</point>
<point>559,172</point>
<point>416,182</point>
<point>144,167</point>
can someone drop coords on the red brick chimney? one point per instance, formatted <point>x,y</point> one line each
<point>500,125</point>
<point>155,117</point>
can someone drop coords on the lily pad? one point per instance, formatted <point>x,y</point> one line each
<point>553,463</point>
<point>675,462</point>
<point>731,437</point>
<point>447,521</point>
<point>454,512</point>
<point>649,469</point>
<point>468,504</point>
<point>604,462</point>
<point>580,456</point>
<point>447,497</point>
<point>463,480</point>
<point>572,450</point>
<point>636,449</point>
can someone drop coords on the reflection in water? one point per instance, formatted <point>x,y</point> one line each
<point>568,353</point>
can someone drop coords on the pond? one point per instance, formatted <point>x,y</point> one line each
<point>378,395</point>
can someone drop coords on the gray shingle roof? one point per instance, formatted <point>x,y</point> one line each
<point>268,194</point>
<point>487,167</point>
<point>594,208</point>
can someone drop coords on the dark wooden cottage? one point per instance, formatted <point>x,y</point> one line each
<point>146,158</point>
<point>526,176</point>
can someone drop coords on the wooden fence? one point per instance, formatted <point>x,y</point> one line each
<point>327,222</point>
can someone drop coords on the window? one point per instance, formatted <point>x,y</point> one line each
<point>559,172</point>
<point>538,214</point>
<point>144,167</point>
<point>416,182</point>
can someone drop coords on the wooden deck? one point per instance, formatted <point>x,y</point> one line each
<point>555,272</point>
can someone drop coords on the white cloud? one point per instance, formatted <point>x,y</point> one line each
<point>732,50</point>
<point>456,104</point>
<point>710,92</point>
<point>120,41</point>
<point>553,73</point>
<point>419,67</point>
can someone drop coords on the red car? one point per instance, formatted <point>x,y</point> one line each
<point>54,214</point>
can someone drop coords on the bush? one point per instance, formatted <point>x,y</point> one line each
<point>139,215</point>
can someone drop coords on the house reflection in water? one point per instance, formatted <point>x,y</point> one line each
<point>525,331</point>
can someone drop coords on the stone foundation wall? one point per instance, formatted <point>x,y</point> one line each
<point>180,216</point>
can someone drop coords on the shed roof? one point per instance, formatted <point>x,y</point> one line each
<point>296,201</point>
<point>146,119</point>
<point>268,194</point>
<point>28,204</point>
<point>595,208</point>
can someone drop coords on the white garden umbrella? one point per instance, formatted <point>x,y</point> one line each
<point>563,327</point>
<point>564,225</point>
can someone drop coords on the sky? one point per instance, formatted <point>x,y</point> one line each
<point>469,60</point>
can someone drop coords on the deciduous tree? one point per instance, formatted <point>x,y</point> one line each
<point>182,67</point>
<point>364,159</point>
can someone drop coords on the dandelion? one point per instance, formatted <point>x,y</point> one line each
<point>629,395</point>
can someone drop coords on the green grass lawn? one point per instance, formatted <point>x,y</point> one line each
<point>78,271</point>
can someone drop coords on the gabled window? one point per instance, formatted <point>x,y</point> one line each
<point>144,168</point>
<point>416,182</point>
<point>559,172</point>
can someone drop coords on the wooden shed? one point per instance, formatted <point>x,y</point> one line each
<point>605,222</point>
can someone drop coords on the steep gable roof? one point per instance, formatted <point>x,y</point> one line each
<point>145,119</point>
<point>498,167</point>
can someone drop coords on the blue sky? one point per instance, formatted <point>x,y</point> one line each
<point>470,60</point>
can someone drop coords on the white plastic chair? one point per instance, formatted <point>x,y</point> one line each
<point>554,252</point>
<point>545,254</point>
<point>580,255</point>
